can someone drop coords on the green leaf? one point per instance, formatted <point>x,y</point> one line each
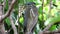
<point>54,1</point>
<point>48,1</point>
<point>21,20</point>
<point>44,16</point>
<point>21,2</point>
<point>40,10</point>
<point>40,17</point>
<point>6,7</point>
<point>7,20</point>
<point>52,20</point>
<point>53,28</point>
<point>0,0</point>
<point>46,9</point>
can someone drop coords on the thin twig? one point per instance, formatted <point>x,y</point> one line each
<point>42,9</point>
<point>13,25</point>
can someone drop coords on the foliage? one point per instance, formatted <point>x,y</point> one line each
<point>55,14</point>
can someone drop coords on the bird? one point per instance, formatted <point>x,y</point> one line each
<point>30,17</point>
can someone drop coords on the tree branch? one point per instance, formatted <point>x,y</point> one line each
<point>13,25</point>
<point>47,27</point>
<point>50,32</point>
<point>9,10</point>
<point>45,31</point>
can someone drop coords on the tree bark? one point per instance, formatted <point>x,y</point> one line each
<point>2,29</point>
